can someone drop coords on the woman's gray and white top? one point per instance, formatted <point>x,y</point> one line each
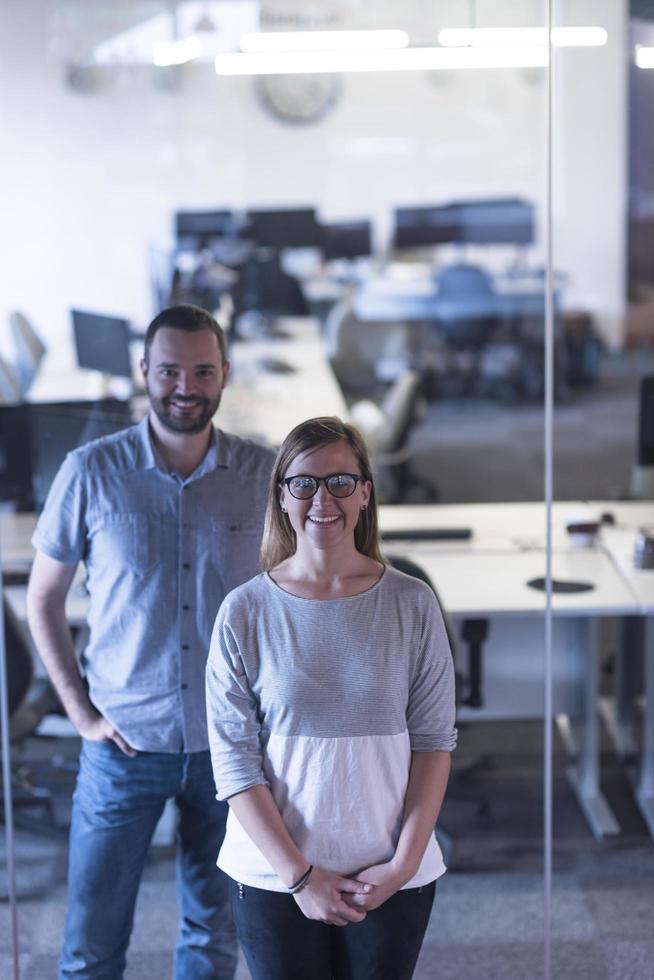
<point>324,701</point>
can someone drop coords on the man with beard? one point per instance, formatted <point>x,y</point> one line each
<point>167,518</point>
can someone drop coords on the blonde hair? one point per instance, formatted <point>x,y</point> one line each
<point>279,541</point>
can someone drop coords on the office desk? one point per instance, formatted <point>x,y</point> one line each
<point>486,576</point>
<point>386,298</point>
<point>265,405</point>
<point>60,379</point>
<point>15,548</point>
<point>619,542</point>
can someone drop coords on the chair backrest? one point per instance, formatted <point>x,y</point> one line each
<point>363,353</point>
<point>409,567</point>
<point>462,280</point>
<point>9,384</point>
<point>642,478</point>
<point>29,349</point>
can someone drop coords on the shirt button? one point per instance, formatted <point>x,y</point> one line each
<point>186,566</point>
<point>184,687</point>
<point>185,646</point>
<point>186,608</point>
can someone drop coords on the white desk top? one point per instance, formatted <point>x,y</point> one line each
<point>619,542</point>
<point>487,584</point>
<point>498,526</point>
<point>60,379</point>
<point>483,575</point>
<point>266,405</point>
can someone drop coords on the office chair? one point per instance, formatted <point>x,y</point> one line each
<point>385,428</point>
<point>9,383</point>
<point>456,786</point>
<point>28,703</point>
<point>467,305</point>
<point>365,354</point>
<point>30,349</point>
<point>642,477</point>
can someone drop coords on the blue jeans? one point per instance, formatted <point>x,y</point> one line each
<point>117,803</point>
<point>280,943</point>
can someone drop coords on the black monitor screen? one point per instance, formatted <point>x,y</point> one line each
<point>346,240</point>
<point>419,226</point>
<point>507,221</point>
<point>15,463</point>
<point>102,343</point>
<point>499,221</point>
<point>296,228</point>
<point>56,428</point>
<point>193,229</point>
<point>36,436</point>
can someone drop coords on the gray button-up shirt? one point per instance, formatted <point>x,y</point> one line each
<point>161,552</point>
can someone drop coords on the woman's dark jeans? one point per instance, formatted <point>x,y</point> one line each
<point>280,943</point>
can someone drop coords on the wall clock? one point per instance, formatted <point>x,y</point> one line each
<point>298,98</point>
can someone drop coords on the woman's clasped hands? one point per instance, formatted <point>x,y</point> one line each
<point>334,899</point>
<point>329,897</point>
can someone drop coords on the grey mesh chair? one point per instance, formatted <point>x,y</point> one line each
<point>9,384</point>
<point>29,347</point>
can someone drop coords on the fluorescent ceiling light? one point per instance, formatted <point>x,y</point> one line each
<point>324,41</point>
<point>166,53</point>
<point>644,56</point>
<point>484,37</point>
<point>409,59</point>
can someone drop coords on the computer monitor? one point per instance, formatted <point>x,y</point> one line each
<point>195,229</point>
<point>102,343</point>
<point>15,462</point>
<point>294,228</point>
<point>346,239</point>
<point>500,221</point>
<point>487,221</point>
<point>36,436</point>
<point>56,428</point>
<point>419,226</point>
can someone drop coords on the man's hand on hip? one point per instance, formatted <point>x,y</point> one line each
<point>98,729</point>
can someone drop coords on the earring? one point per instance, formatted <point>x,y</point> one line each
<point>283,509</point>
<point>363,506</point>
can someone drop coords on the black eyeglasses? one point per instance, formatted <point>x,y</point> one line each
<point>303,486</point>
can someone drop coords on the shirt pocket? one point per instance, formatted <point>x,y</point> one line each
<point>235,551</point>
<point>129,541</point>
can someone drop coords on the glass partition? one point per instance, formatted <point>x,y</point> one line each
<point>600,215</point>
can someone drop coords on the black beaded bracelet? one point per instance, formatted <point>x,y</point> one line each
<point>301,882</point>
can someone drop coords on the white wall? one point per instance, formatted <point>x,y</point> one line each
<point>91,179</point>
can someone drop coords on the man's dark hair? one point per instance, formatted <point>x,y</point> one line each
<point>189,318</point>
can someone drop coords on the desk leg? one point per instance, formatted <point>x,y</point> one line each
<point>619,712</point>
<point>645,786</point>
<point>584,775</point>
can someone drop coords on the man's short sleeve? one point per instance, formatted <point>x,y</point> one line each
<point>61,529</point>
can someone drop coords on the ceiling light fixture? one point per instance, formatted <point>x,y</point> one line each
<point>166,53</point>
<point>409,59</point>
<point>503,37</point>
<point>644,56</point>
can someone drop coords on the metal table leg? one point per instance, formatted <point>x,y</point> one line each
<point>584,774</point>
<point>620,713</point>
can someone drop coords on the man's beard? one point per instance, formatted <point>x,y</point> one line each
<point>165,412</point>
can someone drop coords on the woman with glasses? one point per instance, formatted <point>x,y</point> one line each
<point>330,698</point>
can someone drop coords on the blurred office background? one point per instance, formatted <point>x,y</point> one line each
<point>375,243</point>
